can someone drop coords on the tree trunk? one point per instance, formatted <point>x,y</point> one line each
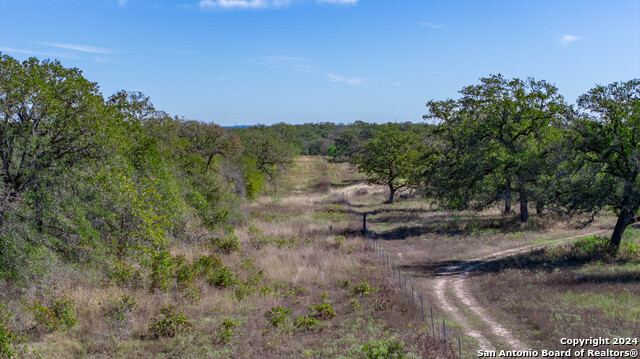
<point>539,208</point>
<point>206,169</point>
<point>524,203</point>
<point>392,191</point>
<point>625,217</point>
<point>507,201</point>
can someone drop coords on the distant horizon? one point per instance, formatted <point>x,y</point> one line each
<point>339,61</point>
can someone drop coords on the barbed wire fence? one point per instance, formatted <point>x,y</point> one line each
<point>399,278</point>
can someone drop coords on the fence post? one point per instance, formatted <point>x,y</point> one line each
<point>433,327</point>
<point>364,223</point>
<point>459,348</point>
<point>405,282</point>
<point>444,333</point>
<point>422,307</point>
<point>412,293</point>
<point>399,280</point>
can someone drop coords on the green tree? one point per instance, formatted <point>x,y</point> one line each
<point>607,143</point>
<point>267,149</point>
<point>498,138</point>
<point>51,119</point>
<point>209,140</point>
<point>391,158</point>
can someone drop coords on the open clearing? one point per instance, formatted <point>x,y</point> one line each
<point>503,285</point>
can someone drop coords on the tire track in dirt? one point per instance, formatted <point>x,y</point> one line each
<point>454,277</point>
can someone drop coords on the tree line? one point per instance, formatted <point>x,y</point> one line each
<point>88,179</point>
<point>506,141</point>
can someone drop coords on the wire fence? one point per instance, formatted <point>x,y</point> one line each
<point>399,278</point>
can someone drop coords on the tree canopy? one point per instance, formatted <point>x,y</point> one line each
<point>390,158</point>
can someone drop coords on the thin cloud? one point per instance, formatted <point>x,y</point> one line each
<point>122,3</point>
<point>261,4</point>
<point>430,25</point>
<point>283,63</point>
<point>241,4</point>
<point>341,2</point>
<point>76,47</point>
<point>567,39</point>
<point>353,81</point>
<point>38,53</point>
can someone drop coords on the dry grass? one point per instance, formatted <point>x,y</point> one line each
<point>306,248</point>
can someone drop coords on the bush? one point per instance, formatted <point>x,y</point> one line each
<point>364,288</point>
<point>629,250</point>
<point>242,291</point>
<point>383,349</point>
<point>173,323</point>
<point>222,277</point>
<point>205,265</point>
<point>161,270</point>
<point>59,315</point>
<point>355,304</point>
<point>124,274</point>
<point>228,243</point>
<point>322,311</point>
<point>591,246</point>
<point>307,323</point>
<point>278,316</point>
<point>7,337</point>
<point>184,272</point>
<point>227,329</point>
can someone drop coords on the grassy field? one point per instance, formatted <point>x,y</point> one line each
<point>569,288</point>
<point>304,284</point>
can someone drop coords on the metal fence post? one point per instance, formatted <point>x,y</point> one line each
<point>444,333</point>
<point>364,223</point>
<point>433,327</point>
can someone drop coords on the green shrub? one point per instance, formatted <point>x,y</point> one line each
<point>228,325</point>
<point>228,243</point>
<point>124,274</point>
<point>184,272</point>
<point>205,265</point>
<point>344,283</point>
<point>254,275</point>
<point>307,323</point>
<point>629,250</point>
<point>278,316</point>
<point>363,287</point>
<point>59,315</point>
<point>242,291</point>
<point>383,349</point>
<point>172,323</point>
<point>294,291</point>
<point>355,304</point>
<point>591,246</point>
<point>222,277</point>
<point>322,311</point>
<point>161,270</point>
<point>7,337</point>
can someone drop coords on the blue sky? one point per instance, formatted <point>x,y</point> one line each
<point>268,61</point>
